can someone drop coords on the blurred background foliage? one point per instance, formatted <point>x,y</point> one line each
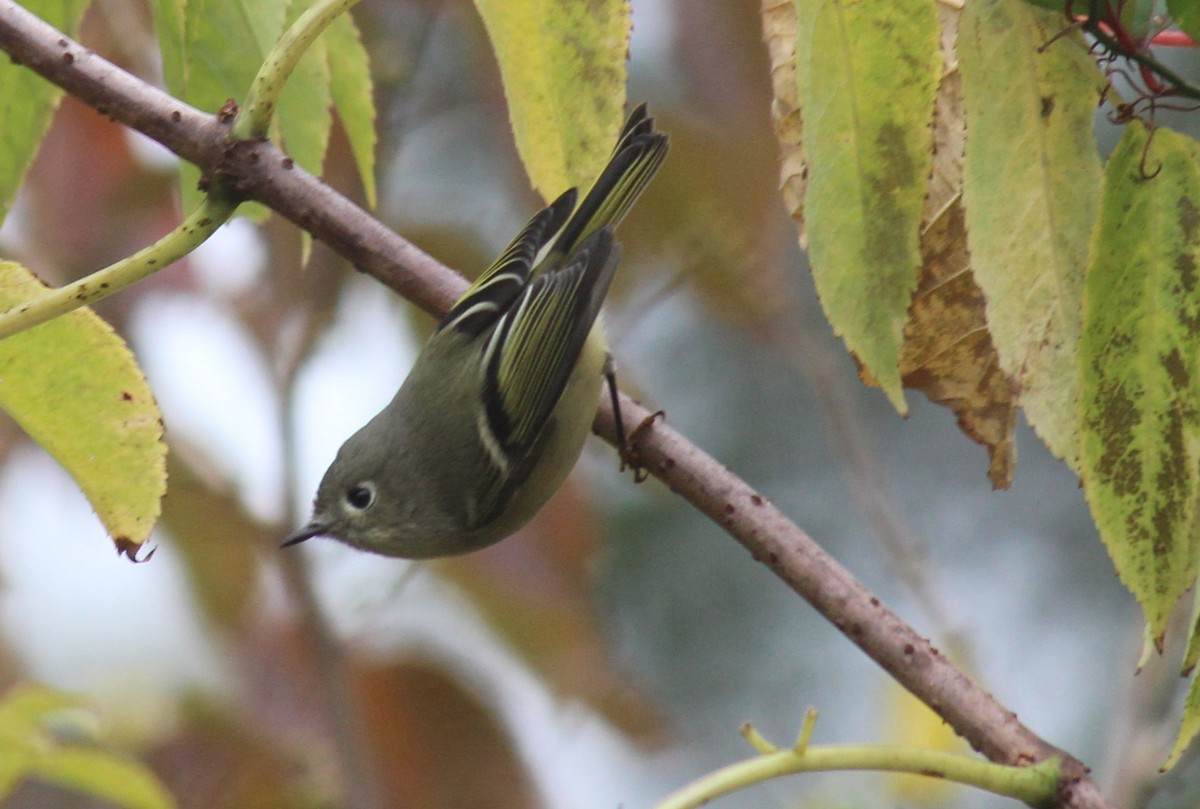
<point>609,652</point>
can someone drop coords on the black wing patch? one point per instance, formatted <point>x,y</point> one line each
<point>495,290</point>
<point>635,159</point>
<point>537,343</point>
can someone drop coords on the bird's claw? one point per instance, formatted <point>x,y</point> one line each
<point>630,456</point>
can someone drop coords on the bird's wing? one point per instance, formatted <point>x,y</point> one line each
<point>528,359</point>
<point>537,343</point>
<point>495,290</point>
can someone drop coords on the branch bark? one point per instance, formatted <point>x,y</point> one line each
<point>260,171</point>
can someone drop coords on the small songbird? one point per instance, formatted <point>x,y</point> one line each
<point>495,411</point>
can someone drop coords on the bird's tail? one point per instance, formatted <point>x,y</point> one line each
<point>635,159</point>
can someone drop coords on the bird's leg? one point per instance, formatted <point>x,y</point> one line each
<point>627,443</point>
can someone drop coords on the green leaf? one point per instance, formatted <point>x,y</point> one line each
<point>303,117</point>
<point>1031,187</point>
<point>1189,726</point>
<point>1139,18</point>
<point>1140,415</point>
<point>352,90</point>
<point>1192,654</point>
<point>1186,14</point>
<point>563,68</point>
<point>170,20</point>
<point>1054,5</point>
<point>26,705</point>
<point>74,386</point>
<point>27,102</point>
<point>22,712</point>
<point>869,145</point>
<point>28,750</point>
<point>120,782</point>
<point>225,43</point>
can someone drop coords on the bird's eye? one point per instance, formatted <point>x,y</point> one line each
<point>361,497</point>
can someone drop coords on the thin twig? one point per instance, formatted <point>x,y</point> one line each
<point>1178,87</point>
<point>905,550</point>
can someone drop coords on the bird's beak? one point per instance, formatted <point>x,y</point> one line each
<point>313,529</point>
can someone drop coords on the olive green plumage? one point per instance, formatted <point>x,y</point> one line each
<point>496,409</point>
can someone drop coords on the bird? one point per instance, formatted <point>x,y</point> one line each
<point>495,411</point>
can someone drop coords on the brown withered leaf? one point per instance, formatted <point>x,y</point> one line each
<point>215,757</point>
<point>435,744</point>
<point>217,538</point>
<point>948,352</point>
<point>779,34</point>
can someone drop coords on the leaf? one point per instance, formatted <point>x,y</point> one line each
<point>27,102</point>
<point>303,117</point>
<point>1191,655</point>
<point>25,705</point>
<point>949,121</point>
<point>1186,14</point>
<point>948,353</point>
<point>1139,418</point>
<point>30,750</point>
<point>217,539</point>
<point>1140,19</point>
<point>563,69</point>
<point>912,724</point>
<point>170,21</point>
<point>74,386</point>
<point>117,781</point>
<point>1189,726</point>
<point>869,143</point>
<point>1031,185</point>
<point>351,88</point>
<point>436,745</point>
<point>780,34</point>
<point>21,716</point>
<point>225,43</point>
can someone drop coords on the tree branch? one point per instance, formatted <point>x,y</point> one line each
<point>258,170</point>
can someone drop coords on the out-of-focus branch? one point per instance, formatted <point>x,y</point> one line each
<point>360,787</point>
<point>905,550</point>
<point>258,170</point>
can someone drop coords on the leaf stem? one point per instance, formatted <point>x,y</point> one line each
<point>254,119</point>
<point>1034,785</point>
<point>1178,85</point>
<point>213,212</point>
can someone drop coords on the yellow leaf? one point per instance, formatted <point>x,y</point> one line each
<point>1189,726</point>
<point>31,750</point>
<point>563,67</point>
<point>1139,416</point>
<point>912,723</point>
<point>1031,187</point>
<point>74,386</point>
<point>867,77</point>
